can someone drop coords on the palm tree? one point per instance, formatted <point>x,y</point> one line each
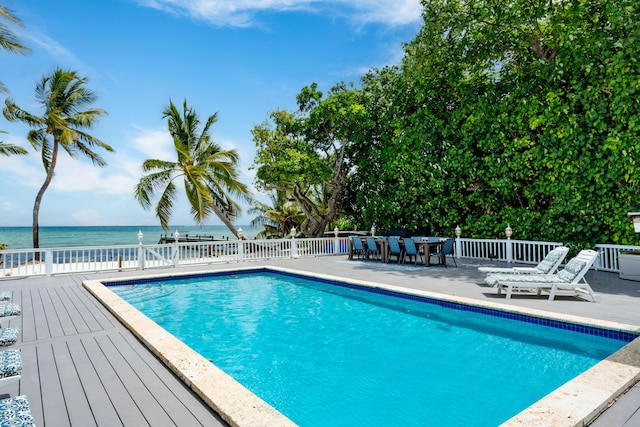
<point>8,41</point>
<point>210,174</point>
<point>63,96</point>
<point>278,219</point>
<point>9,149</point>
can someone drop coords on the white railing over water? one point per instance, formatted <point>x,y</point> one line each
<point>46,262</point>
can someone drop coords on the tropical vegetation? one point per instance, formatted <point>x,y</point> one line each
<point>209,173</point>
<point>527,115</point>
<point>9,42</point>
<point>62,95</point>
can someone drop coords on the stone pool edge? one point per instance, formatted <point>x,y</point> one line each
<point>575,403</point>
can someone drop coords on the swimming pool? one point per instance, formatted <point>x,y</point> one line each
<point>419,319</point>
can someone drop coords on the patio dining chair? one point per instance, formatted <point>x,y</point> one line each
<point>410,250</point>
<point>372,247</point>
<point>357,246</point>
<point>394,248</point>
<point>446,249</point>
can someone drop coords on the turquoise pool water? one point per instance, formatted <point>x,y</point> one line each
<point>328,355</point>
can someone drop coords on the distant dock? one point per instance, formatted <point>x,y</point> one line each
<point>186,238</point>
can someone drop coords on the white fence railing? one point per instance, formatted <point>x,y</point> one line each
<point>524,251</point>
<point>46,262</point>
<point>608,258</point>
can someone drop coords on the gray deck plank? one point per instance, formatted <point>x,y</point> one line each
<point>50,314</point>
<point>104,414</point>
<point>80,314</point>
<point>30,381</point>
<point>53,405</point>
<point>72,389</point>
<point>61,307</point>
<point>96,315</point>
<point>26,321</point>
<point>126,407</point>
<point>160,383</point>
<point>151,410</point>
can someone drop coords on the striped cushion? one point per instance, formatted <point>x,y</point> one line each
<point>571,270</point>
<point>15,412</point>
<point>538,279</point>
<point>5,296</point>
<point>506,270</point>
<point>8,336</point>
<point>10,309</point>
<point>10,363</point>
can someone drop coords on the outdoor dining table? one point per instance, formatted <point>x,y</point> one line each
<point>383,247</point>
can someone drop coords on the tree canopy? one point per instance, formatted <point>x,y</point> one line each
<point>524,113</point>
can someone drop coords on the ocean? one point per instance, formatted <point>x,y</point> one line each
<point>55,237</point>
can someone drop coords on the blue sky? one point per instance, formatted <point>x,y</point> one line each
<point>240,58</point>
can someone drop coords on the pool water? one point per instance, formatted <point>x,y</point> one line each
<point>328,355</point>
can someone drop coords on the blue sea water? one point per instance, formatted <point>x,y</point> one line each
<point>54,237</point>
<point>326,355</point>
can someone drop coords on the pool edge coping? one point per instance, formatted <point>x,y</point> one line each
<point>575,403</point>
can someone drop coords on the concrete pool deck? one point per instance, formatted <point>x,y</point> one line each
<point>619,302</point>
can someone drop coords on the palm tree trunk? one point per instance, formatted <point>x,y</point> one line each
<point>226,222</point>
<point>36,205</point>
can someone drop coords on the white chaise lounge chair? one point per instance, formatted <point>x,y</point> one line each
<point>570,280</point>
<point>548,265</point>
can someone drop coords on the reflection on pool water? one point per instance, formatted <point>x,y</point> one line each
<point>327,353</point>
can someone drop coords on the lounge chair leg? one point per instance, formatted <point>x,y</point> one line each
<point>509,290</point>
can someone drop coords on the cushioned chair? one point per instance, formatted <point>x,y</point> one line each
<point>372,247</point>
<point>10,366</point>
<point>446,249</point>
<point>548,265</point>
<point>394,248</point>
<point>570,280</point>
<point>410,250</point>
<point>357,246</point>
<point>15,411</point>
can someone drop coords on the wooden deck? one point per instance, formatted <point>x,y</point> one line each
<point>81,367</point>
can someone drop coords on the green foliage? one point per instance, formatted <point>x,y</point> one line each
<point>525,115</point>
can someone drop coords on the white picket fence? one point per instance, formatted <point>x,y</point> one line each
<point>67,260</point>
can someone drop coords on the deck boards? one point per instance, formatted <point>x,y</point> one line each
<point>82,368</point>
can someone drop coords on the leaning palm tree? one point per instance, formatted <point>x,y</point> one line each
<point>210,174</point>
<point>63,97</point>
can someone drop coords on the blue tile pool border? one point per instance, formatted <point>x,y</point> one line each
<point>620,335</point>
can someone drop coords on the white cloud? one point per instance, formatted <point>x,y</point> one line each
<point>240,13</point>
<point>154,144</point>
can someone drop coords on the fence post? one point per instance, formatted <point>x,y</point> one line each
<point>458,242</point>
<point>140,251</point>
<point>48,263</point>
<point>508,231</point>
<point>294,244</point>
<point>336,244</point>
<point>174,250</point>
